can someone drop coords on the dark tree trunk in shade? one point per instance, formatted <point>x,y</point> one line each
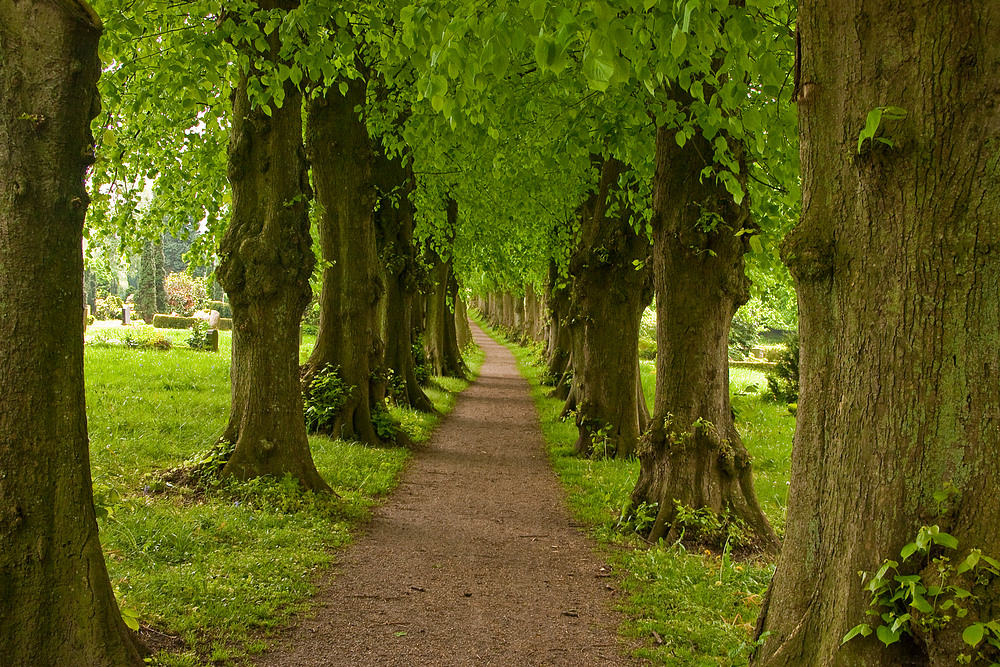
<point>462,328</point>
<point>559,342</point>
<point>610,295</point>
<point>896,261</point>
<point>692,453</point>
<point>266,260</point>
<point>441,336</point>
<point>342,158</point>
<point>56,602</point>
<point>402,273</point>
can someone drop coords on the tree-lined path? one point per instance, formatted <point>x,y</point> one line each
<point>474,561</point>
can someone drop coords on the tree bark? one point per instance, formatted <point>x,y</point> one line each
<point>266,260</point>
<point>559,343</point>
<point>441,334</point>
<point>56,602</point>
<point>692,453</point>
<point>348,338</point>
<point>610,295</point>
<point>897,266</point>
<point>462,328</point>
<point>403,275</point>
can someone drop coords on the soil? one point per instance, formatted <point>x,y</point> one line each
<point>474,560</point>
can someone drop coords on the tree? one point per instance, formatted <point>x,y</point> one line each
<point>441,334</point>
<point>56,600</point>
<point>896,266</point>
<point>609,293</point>
<point>146,292</point>
<point>265,267</point>
<point>341,154</point>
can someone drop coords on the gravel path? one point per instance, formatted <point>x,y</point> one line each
<point>474,560</point>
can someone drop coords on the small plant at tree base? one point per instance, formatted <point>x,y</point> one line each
<point>703,525</point>
<point>385,426</point>
<point>328,393</point>
<point>422,364</point>
<point>919,605</point>
<point>783,383</point>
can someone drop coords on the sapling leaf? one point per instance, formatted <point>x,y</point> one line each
<point>970,561</point>
<point>973,634</point>
<point>908,550</point>
<point>862,629</point>
<point>945,540</point>
<point>886,635</point>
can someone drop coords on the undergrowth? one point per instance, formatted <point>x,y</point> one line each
<point>682,607</point>
<point>209,575</point>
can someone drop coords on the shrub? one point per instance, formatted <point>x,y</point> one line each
<point>199,338</point>
<point>422,363</point>
<point>743,337</point>
<point>328,393</point>
<point>225,324</point>
<point>783,382</point>
<point>647,335</point>
<point>185,293</point>
<point>109,308</point>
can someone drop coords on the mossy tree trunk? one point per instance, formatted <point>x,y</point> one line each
<point>692,453</point>
<point>403,275</point>
<point>348,338</point>
<point>441,335</point>
<point>266,260</point>
<point>145,294</point>
<point>56,602</point>
<point>897,266</point>
<point>610,294</point>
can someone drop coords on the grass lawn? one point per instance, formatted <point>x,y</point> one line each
<point>683,607</point>
<point>219,569</point>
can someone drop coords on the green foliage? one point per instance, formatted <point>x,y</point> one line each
<point>109,308</point>
<point>783,382</point>
<point>935,594</point>
<point>327,395</point>
<point>224,309</point>
<point>421,361</point>
<point>874,123</point>
<point>743,337</point>
<point>647,334</point>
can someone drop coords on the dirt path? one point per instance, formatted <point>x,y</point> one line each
<point>473,561</point>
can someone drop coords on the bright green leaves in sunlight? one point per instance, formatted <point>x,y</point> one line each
<point>874,122</point>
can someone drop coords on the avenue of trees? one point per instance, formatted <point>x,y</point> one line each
<point>560,167</point>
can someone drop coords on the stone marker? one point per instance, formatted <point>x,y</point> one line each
<point>127,314</point>
<point>212,340</point>
<point>213,320</point>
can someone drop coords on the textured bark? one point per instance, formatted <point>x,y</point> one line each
<point>402,275</point>
<point>692,453</point>
<point>441,336</point>
<point>266,260</point>
<point>462,328</point>
<point>897,266</point>
<point>56,602</point>
<point>610,295</point>
<point>348,338</point>
<point>559,343</point>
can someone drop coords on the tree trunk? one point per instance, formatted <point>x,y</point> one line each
<point>348,336</point>
<point>462,328</point>
<point>897,265</point>
<point>559,344</point>
<point>159,277</point>
<point>610,294</point>
<point>441,334</point>
<point>145,294</point>
<point>56,602</point>
<point>692,453</point>
<point>266,260</point>
<point>402,276</point>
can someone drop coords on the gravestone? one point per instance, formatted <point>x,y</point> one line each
<point>212,340</point>
<point>127,314</point>
<point>213,320</point>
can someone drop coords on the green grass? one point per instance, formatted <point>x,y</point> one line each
<point>682,608</point>
<point>221,569</point>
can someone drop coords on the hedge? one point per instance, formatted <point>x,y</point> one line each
<point>176,322</point>
<point>224,308</point>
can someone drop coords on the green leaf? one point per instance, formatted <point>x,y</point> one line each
<point>970,561</point>
<point>871,126</point>
<point>886,635</point>
<point>945,540</point>
<point>973,634</point>
<point>908,550</point>
<point>755,244</point>
<point>921,604</point>
<point>678,44</point>
<point>862,629</point>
